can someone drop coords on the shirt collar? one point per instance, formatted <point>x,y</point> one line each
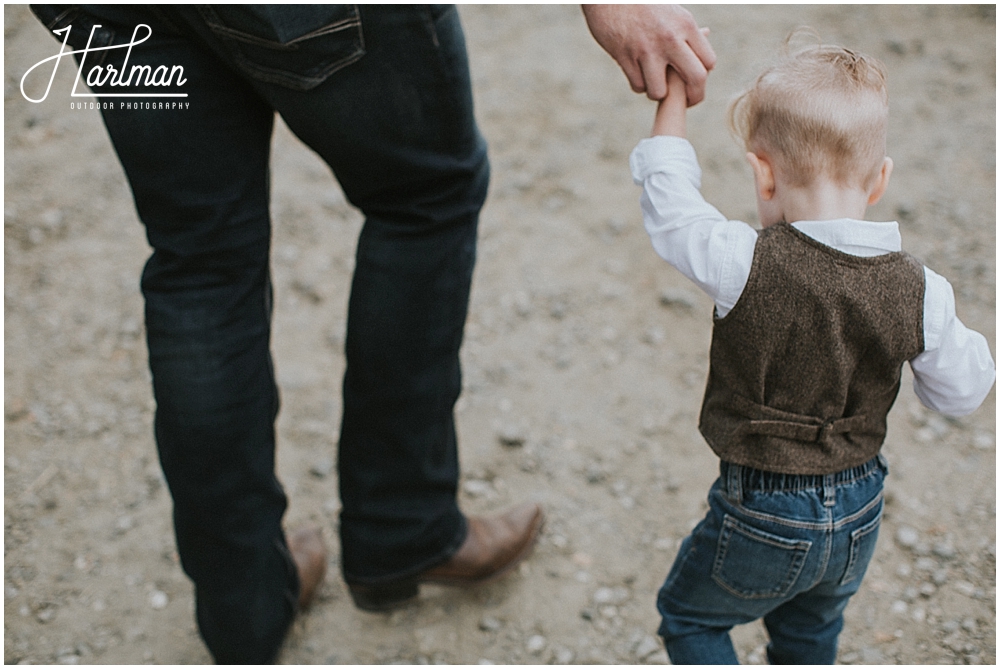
<point>852,235</point>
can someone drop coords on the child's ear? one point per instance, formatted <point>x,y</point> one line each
<point>881,182</point>
<point>763,175</point>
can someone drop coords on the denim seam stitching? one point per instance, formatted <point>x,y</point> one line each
<point>291,45</point>
<point>827,549</point>
<point>293,80</point>
<point>807,525</point>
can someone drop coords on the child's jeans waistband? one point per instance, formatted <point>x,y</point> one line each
<point>749,479</point>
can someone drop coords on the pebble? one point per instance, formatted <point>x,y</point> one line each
<point>536,644</point>
<point>899,607</point>
<point>158,600</point>
<point>490,624</point>
<point>965,588</point>
<point>758,655</point>
<point>595,473</point>
<point>130,327</point>
<point>871,655</point>
<point>597,656</point>
<point>564,655</point>
<point>322,468</point>
<point>655,336</point>
<point>928,589</point>
<point>906,208</point>
<point>659,657</point>
<point>940,577</point>
<point>944,549</point>
<point>46,613</point>
<point>907,537</point>
<point>646,647</point>
<point>477,488</point>
<point>983,441</point>
<point>616,225</point>
<point>663,544</point>
<point>678,298</point>
<point>937,425</point>
<point>512,435</point>
<point>613,596</point>
<point>557,309</point>
<point>16,409</point>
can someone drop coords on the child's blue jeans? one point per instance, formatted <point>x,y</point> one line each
<point>789,549</point>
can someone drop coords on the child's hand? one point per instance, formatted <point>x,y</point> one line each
<point>671,114</point>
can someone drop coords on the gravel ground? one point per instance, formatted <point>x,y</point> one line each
<point>585,359</point>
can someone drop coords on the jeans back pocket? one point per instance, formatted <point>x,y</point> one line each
<point>862,549</point>
<point>753,564</point>
<point>296,46</point>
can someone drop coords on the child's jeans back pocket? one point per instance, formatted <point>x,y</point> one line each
<point>862,549</point>
<point>754,564</point>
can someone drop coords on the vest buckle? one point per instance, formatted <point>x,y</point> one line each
<point>824,430</point>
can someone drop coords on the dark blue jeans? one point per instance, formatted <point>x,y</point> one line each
<point>382,94</point>
<point>788,549</point>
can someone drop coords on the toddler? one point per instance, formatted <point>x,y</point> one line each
<point>815,315</point>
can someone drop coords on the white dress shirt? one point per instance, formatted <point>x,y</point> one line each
<point>954,373</point>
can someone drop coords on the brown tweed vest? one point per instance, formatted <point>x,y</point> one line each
<point>807,364</point>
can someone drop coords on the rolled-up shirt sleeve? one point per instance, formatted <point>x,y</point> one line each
<point>956,371</point>
<point>685,230</point>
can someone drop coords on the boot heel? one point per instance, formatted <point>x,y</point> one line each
<point>383,597</point>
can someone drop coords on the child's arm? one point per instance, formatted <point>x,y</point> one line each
<point>671,114</point>
<point>686,231</point>
<point>955,372</point>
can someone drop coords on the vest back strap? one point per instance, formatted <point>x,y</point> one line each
<point>776,423</point>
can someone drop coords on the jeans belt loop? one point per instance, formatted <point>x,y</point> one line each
<point>829,490</point>
<point>734,483</point>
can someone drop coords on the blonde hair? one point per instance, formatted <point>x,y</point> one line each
<point>819,110</point>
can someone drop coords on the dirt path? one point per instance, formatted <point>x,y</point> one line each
<point>581,345</point>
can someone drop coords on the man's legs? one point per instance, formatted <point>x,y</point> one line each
<point>397,129</point>
<point>200,181</point>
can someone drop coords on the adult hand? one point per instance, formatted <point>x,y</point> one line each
<point>644,39</point>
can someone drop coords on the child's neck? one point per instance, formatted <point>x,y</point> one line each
<point>823,200</point>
